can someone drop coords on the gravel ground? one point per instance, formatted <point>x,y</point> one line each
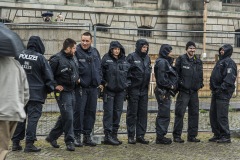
<point>203,150</point>
<point>187,151</point>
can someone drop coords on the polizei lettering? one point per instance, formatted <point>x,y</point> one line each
<point>29,57</point>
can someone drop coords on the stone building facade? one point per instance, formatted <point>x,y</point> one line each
<point>167,21</point>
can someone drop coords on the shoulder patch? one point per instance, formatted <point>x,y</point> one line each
<point>229,70</point>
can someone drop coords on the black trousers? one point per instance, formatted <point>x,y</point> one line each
<point>219,117</point>
<point>163,116</point>
<point>191,101</point>
<point>76,111</point>
<point>113,106</point>
<point>64,124</point>
<point>137,115</point>
<point>85,111</point>
<point>34,111</point>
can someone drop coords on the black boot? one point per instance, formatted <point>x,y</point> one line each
<point>77,141</point>
<point>31,148</point>
<point>16,146</point>
<point>131,140</point>
<point>70,146</point>
<point>108,139</point>
<point>141,139</point>
<point>114,136</point>
<point>163,140</point>
<point>87,141</point>
<point>52,142</point>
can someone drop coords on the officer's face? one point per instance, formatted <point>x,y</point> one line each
<point>86,42</point>
<point>170,54</point>
<point>191,50</point>
<point>144,48</point>
<point>222,51</point>
<point>116,52</point>
<point>71,51</point>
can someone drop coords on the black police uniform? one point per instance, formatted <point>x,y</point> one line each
<point>115,82</point>
<point>40,79</point>
<point>65,70</point>
<point>190,71</point>
<point>167,82</point>
<point>90,74</point>
<point>139,74</point>
<point>222,84</point>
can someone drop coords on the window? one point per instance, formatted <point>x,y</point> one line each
<point>144,31</point>
<point>101,27</point>
<point>227,1</point>
<point>237,38</point>
<point>3,20</point>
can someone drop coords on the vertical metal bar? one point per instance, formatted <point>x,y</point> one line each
<point>95,36</point>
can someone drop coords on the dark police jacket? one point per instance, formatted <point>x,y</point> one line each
<point>115,71</point>
<point>165,74</point>
<point>223,77</point>
<point>65,70</point>
<point>90,72</point>
<point>139,73</point>
<point>39,73</point>
<point>190,73</point>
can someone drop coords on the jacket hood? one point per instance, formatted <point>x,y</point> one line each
<point>164,52</point>
<point>165,49</point>
<point>116,44</point>
<point>228,50</point>
<point>36,44</point>
<point>139,44</point>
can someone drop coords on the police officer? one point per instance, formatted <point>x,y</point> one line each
<point>222,85</point>
<point>190,70</point>
<point>167,81</point>
<point>65,71</point>
<point>139,74</point>
<point>115,69</point>
<point>90,73</point>
<point>40,79</point>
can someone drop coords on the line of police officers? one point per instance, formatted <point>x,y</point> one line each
<point>77,72</point>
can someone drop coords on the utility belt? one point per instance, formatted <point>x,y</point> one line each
<point>188,91</point>
<point>165,92</point>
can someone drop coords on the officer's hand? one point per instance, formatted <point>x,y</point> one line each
<point>78,81</point>
<point>59,88</point>
<point>101,87</point>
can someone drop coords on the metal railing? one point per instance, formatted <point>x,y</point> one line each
<point>54,34</point>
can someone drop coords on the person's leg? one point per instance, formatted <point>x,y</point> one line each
<point>163,119</point>
<point>19,133</point>
<point>108,119</point>
<point>213,120</point>
<point>117,112</point>
<point>76,114</point>
<point>90,116</point>
<point>142,114</point>
<point>222,118</point>
<point>34,114</point>
<point>180,109</point>
<point>193,118</point>
<point>7,129</point>
<point>131,120</point>
<point>108,113</point>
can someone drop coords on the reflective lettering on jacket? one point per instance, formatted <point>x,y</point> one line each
<point>29,57</point>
